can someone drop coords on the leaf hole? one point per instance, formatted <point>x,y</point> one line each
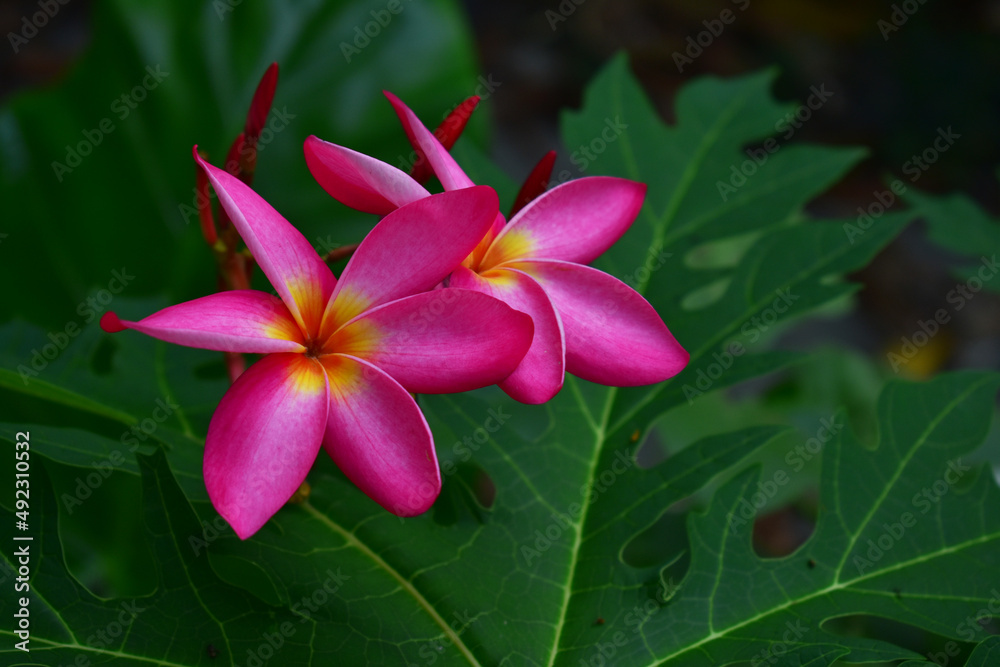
<point>937,649</point>
<point>705,296</point>
<point>664,541</point>
<point>652,451</point>
<point>781,533</point>
<point>723,253</point>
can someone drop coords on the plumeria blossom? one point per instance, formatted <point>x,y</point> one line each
<point>586,322</point>
<point>342,356</point>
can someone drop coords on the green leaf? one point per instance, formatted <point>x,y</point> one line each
<point>522,560</point>
<point>190,610</point>
<point>789,266</point>
<point>957,223</point>
<point>987,653</point>
<point>97,171</point>
<point>903,533</point>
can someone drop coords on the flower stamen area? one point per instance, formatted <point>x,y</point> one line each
<point>316,348</point>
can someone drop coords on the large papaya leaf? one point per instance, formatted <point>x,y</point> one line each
<point>904,532</point>
<point>520,560</point>
<point>189,619</point>
<point>713,192</point>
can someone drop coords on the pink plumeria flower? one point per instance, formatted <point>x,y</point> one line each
<point>342,357</point>
<point>586,322</point>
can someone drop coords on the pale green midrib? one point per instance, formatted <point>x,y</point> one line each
<point>575,388</point>
<point>718,580</point>
<point>664,222</point>
<point>687,177</point>
<point>800,277</point>
<point>89,405</point>
<point>599,436</point>
<point>406,585</point>
<point>830,589</point>
<point>789,180</point>
<point>34,592</point>
<point>659,230</point>
<point>933,424</point>
<point>100,651</point>
<point>86,404</point>
<point>640,500</point>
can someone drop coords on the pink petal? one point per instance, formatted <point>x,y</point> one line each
<point>296,272</point>
<point>447,133</point>
<point>447,170</point>
<point>540,375</point>
<point>574,222</point>
<point>263,438</point>
<point>360,181</point>
<point>411,250</point>
<point>376,434</point>
<point>233,321</point>
<point>613,336</point>
<point>443,341</point>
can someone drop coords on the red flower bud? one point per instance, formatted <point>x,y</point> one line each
<point>447,133</point>
<point>535,184</point>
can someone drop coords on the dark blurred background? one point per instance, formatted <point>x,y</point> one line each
<point>897,72</point>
